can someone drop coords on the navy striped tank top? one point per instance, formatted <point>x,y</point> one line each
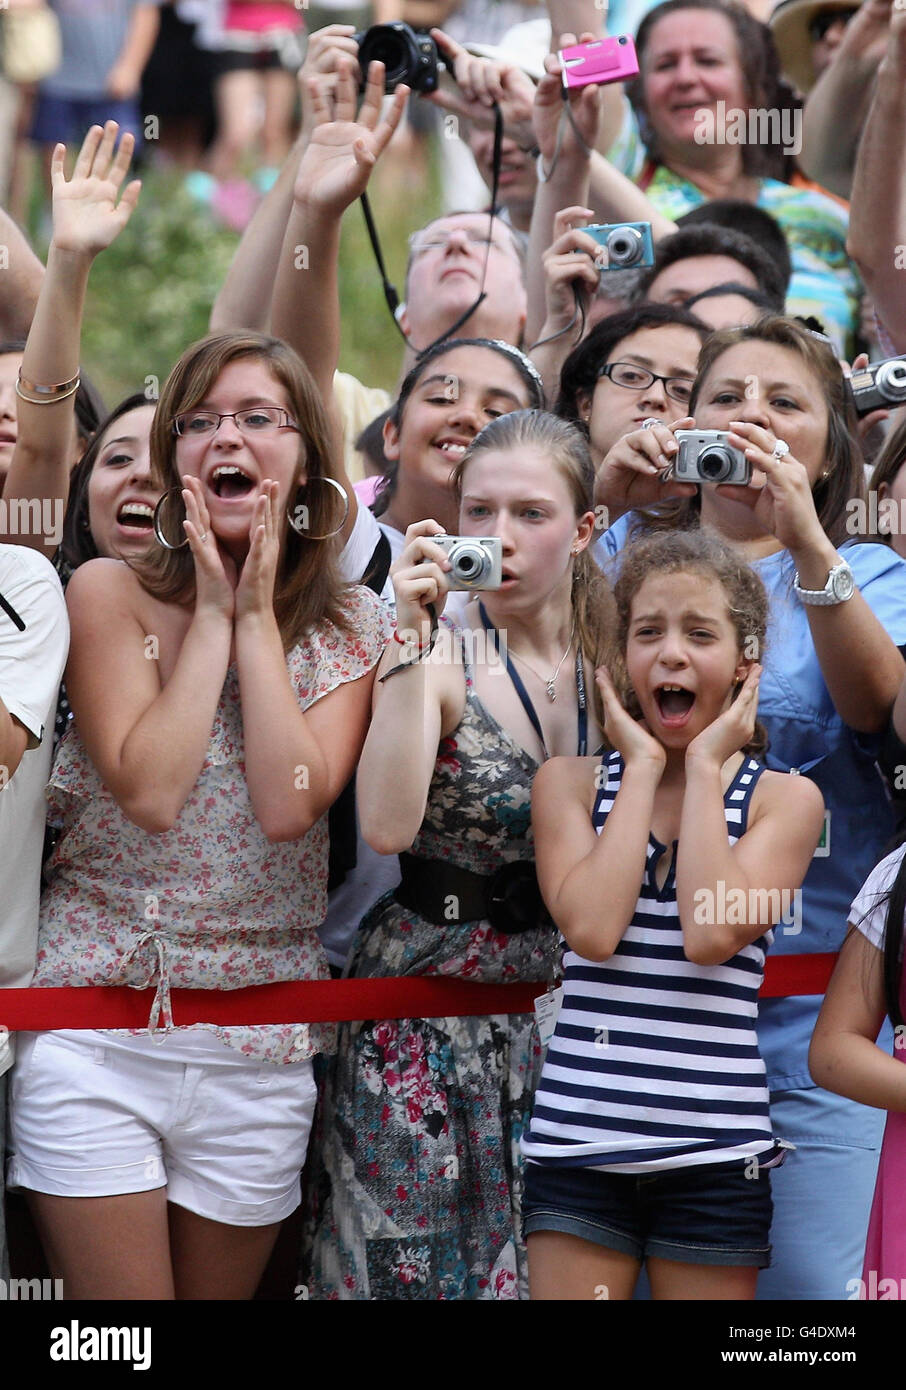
<point>654,1062</point>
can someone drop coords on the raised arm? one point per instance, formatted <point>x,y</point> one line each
<point>877,217</point>
<point>88,214</point>
<point>21,281</point>
<point>336,166</point>
<point>411,708</point>
<point>244,300</point>
<point>837,105</point>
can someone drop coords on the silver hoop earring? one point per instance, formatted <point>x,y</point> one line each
<point>298,518</point>
<point>162,525</point>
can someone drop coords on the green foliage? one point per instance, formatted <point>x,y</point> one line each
<point>151,293</point>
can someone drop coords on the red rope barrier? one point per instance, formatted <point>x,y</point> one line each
<point>327,1001</point>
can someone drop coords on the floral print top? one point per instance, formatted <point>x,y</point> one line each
<point>210,904</point>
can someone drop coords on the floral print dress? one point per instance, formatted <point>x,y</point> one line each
<point>210,904</point>
<point>416,1182</point>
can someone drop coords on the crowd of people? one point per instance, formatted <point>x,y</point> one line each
<point>576,661</point>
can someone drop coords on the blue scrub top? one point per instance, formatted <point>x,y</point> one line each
<point>805,732</point>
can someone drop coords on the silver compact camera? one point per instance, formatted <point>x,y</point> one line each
<point>705,456</point>
<point>879,385</point>
<point>475,563</point>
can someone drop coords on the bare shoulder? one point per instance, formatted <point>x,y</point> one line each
<point>561,782</point>
<point>102,581</point>
<point>790,795</point>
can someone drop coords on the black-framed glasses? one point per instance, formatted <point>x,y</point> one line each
<point>635,378</point>
<point>258,419</point>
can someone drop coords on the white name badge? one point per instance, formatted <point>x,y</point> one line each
<point>547,1009</point>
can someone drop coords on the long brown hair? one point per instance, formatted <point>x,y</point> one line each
<point>565,445</point>
<point>690,552</point>
<point>844,474</point>
<point>309,589</point>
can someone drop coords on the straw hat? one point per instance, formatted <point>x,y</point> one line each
<point>790,23</point>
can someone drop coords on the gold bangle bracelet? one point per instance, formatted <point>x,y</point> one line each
<point>47,400</point>
<point>59,390</point>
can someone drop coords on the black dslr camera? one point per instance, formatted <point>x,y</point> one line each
<point>407,56</point>
<point>879,385</point>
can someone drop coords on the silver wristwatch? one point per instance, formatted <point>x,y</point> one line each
<point>839,587</point>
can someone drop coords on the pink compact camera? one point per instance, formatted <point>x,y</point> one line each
<point>605,60</point>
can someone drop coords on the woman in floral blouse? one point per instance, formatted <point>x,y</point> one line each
<point>221,695</point>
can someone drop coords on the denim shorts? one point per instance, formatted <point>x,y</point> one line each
<point>69,118</point>
<point>711,1214</point>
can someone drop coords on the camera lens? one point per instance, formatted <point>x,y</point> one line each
<point>624,246</point>
<point>387,47</point>
<point>469,563</point>
<point>714,464</point>
<point>891,379</point>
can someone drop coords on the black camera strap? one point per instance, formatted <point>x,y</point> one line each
<point>525,698</point>
<point>10,611</point>
<point>391,295</point>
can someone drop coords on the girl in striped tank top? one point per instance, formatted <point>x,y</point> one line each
<point>650,1140</point>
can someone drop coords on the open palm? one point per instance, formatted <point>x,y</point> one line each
<point>344,146</point>
<point>88,211</point>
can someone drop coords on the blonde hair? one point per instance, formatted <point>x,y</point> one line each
<point>565,445</point>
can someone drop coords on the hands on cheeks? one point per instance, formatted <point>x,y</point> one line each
<point>630,737</point>
<point>732,730</point>
<point>219,584</point>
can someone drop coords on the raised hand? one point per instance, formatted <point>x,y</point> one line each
<point>780,490</point>
<point>630,737</point>
<point>584,105</point>
<point>732,730</point>
<point>255,590</point>
<point>636,471</point>
<point>344,147</point>
<point>326,47</point>
<point>480,82</point>
<point>565,271</point>
<point>88,211</point>
<point>419,579</point>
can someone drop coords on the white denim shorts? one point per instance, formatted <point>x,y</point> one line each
<point>95,1117</point>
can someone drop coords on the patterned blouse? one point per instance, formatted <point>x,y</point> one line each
<point>210,904</point>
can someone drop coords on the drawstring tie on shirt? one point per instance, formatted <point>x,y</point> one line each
<point>161,1007</point>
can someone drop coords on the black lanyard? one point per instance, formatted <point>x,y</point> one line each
<point>582,742</point>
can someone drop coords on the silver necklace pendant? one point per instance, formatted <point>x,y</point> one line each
<point>551,692</point>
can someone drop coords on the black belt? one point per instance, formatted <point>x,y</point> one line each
<point>443,893</point>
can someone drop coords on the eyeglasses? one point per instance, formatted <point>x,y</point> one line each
<point>260,419</point>
<point>678,388</point>
<point>439,241</point>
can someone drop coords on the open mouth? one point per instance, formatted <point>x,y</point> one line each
<point>137,516</point>
<point>228,481</point>
<point>451,449</point>
<point>674,704</point>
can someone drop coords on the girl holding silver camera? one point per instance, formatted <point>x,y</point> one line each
<point>422,1119</point>
<point>831,674</point>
